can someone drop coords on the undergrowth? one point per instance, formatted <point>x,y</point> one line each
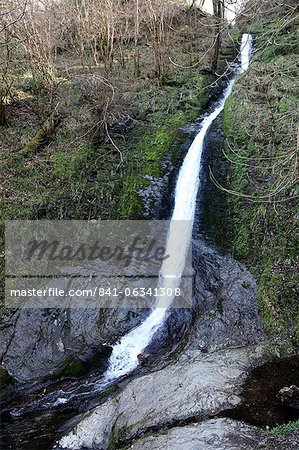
<point>261,126</point>
<point>72,168</point>
<point>281,430</point>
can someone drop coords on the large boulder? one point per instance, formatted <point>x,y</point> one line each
<point>225,307</point>
<point>215,434</point>
<point>190,388</point>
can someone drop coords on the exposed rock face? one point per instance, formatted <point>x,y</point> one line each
<point>289,396</point>
<point>152,195</point>
<point>217,434</point>
<point>195,388</point>
<point>226,312</point>
<point>34,342</point>
<point>205,376</point>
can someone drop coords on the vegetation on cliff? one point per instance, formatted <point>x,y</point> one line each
<point>261,125</point>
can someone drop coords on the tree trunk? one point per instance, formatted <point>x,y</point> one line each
<point>136,48</point>
<point>218,11</point>
<point>3,119</point>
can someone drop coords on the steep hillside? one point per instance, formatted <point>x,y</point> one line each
<point>89,143</point>
<point>261,125</point>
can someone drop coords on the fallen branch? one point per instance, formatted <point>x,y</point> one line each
<point>42,137</point>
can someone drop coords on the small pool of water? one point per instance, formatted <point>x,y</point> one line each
<point>36,431</point>
<point>260,405</point>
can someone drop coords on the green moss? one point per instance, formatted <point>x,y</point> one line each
<point>6,384</point>
<point>258,121</point>
<point>72,367</point>
<point>117,437</point>
<point>153,140</point>
<point>66,165</point>
<point>107,392</point>
<point>41,138</point>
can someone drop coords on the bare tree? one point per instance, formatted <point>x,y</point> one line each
<point>40,33</point>
<point>11,13</point>
<point>218,11</point>
<point>158,18</point>
<point>136,38</point>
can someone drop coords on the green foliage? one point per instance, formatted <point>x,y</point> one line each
<point>117,437</point>
<point>281,430</point>
<point>259,123</point>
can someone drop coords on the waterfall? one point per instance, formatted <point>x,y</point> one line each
<point>124,355</point>
<point>246,51</point>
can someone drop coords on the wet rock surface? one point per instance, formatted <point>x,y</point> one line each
<point>204,377</point>
<point>152,196</point>
<point>225,308</point>
<point>197,388</point>
<point>35,342</point>
<point>216,434</point>
<point>223,312</point>
<point>195,368</point>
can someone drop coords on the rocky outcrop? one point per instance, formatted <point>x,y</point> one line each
<point>197,388</point>
<point>35,343</point>
<point>215,434</point>
<point>204,377</point>
<point>226,312</point>
<point>289,396</point>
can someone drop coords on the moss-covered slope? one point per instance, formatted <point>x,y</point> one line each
<point>261,125</point>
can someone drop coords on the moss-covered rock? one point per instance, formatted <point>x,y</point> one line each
<point>72,367</point>
<point>6,383</point>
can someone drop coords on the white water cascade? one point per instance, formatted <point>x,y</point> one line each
<point>124,355</point>
<point>245,51</point>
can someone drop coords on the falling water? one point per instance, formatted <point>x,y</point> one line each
<point>124,355</point>
<point>246,51</point>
